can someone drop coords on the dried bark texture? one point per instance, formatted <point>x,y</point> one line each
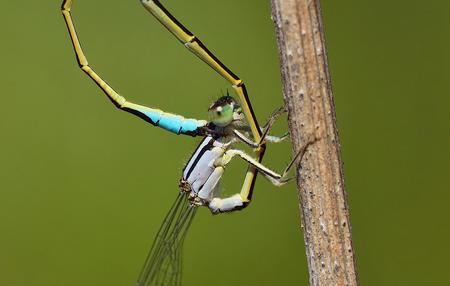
<point>309,101</point>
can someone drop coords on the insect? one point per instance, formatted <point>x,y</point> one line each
<point>231,122</point>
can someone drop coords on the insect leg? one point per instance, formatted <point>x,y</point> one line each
<point>239,201</point>
<point>208,188</point>
<point>277,139</point>
<point>265,132</point>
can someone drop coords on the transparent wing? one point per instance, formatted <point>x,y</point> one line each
<point>163,264</point>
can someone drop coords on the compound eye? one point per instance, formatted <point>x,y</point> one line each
<point>222,115</point>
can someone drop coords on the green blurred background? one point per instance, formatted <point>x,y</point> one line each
<point>84,187</point>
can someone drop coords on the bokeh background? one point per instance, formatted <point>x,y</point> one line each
<point>84,187</point>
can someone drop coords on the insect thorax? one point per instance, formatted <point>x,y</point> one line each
<point>198,172</point>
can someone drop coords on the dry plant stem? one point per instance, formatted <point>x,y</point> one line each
<point>308,97</point>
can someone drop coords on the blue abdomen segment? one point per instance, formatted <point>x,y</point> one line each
<point>171,122</point>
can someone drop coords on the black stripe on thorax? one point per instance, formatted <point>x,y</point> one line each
<point>200,153</point>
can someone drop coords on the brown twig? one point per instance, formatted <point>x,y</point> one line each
<point>309,101</point>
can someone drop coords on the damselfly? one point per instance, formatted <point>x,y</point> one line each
<point>230,122</point>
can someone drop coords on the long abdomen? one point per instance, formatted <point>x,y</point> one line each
<point>171,122</point>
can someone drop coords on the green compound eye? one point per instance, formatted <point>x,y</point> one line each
<point>221,115</point>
